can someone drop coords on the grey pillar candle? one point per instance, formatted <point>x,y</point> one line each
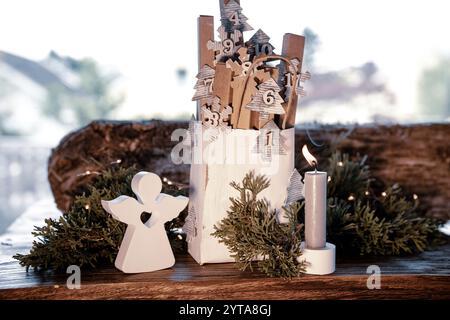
<point>316,209</point>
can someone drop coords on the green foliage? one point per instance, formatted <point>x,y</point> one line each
<point>91,100</point>
<point>347,177</point>
<point>86,235</point>
<point>251,231</point>
<point>358,222</point>
<point>434,93</point>
<point>369,225</point>
<point>365,224</point>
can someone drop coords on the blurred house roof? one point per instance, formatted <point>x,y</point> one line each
<point>33,70</point>
<point>345,85</point>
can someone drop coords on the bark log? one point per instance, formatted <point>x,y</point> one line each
<point>101,144</point>
<point>417,157</point>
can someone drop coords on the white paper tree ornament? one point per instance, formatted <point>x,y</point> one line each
<point>227,46</point>
<point>267,100</point>
<point>145,247</point>
<point>213,117</point>
<point>259,44</point>
<point>296,188</point>
<point>233,18</point>
<point>270,142</point>
<point>204,86</point>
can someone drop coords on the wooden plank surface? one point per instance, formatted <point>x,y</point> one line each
<point>425,276</point>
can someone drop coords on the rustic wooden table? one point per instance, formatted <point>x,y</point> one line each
<point>425,276</point>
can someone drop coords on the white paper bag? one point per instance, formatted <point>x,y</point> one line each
<point>227,158</point>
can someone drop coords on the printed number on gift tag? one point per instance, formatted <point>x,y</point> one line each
<point>235,19</point>
<point>269,139</point>
<point>246,67</point>
<point>228,46</point>
<point>209,84</point>
<point>269,97</point>
<point>214,120</point>
<point>288,80</point>
<point>265,48</point>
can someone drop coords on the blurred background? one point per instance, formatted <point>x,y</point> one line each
<point>64,63</point>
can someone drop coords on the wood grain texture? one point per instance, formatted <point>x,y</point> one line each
<point>238,86</point>
<point>205,56</point>
<point>293,47</point>
<point>99,145</point>
<point>245,113</point>
<point>425,276</point>
<point>205,34</point>
<point>222,84</point>
<point>417,156</point>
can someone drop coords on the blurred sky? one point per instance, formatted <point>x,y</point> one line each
<point>147,41</point>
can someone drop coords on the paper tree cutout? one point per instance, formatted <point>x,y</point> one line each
<point>213,117</point>
<point>295,66</point>
<point>296,188</point>
<point>242,66</point>
<point>204,86</point>
<point>302,79</point>
<point>233,18</point>
<point>259,44</point>
<point>287,79</point>
<point>227,46</point>
<point>145,247</point>
<point>195,132</point>
<point>267,99</point>
<point>270,142</point>
<point>190,225</point>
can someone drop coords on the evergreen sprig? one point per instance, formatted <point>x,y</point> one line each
<point>362,223</point>
<point>251,232</point>
<point>347,177</point>
<point>359,222</point>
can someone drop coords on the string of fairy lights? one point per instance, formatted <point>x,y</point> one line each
<point>352,197</point>
<point>180,186</point>
<point>177,231</point>
<point>118,162</point>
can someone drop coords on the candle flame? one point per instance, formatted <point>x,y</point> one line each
<point>309,157</point>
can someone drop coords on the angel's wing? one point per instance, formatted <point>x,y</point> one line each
<point>124,209</point>
<point>170,207</point>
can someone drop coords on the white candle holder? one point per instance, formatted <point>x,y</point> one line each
<point>319,261</point>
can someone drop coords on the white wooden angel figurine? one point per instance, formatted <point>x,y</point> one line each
<point>145,247</point>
